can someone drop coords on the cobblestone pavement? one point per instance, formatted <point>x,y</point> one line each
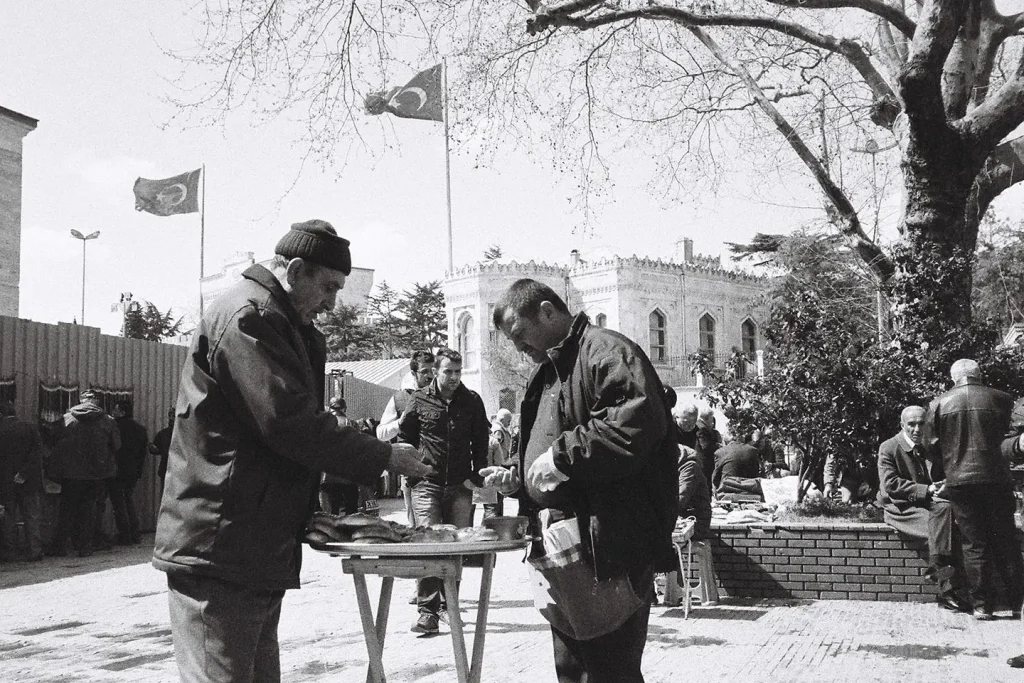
<point>104,618</point>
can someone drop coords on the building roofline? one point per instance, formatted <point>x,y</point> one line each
<point>18,117</point>
<point>704,265</point>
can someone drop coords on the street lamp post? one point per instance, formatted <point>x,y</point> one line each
<point>84,238</point>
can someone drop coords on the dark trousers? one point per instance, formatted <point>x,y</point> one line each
<point>338,497</point>
<point>437,504</point>
<point>28,503</point>
<point>224,632</point>
<point>933,521</point>
<point>77,516</point>
<point>614,657</point>
<point>984,513</point>
<point>125,516</point>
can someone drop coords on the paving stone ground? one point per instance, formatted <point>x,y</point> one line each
<point>104,618</point>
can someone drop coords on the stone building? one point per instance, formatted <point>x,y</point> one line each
<point>13,129</point>
<point>672,309</point>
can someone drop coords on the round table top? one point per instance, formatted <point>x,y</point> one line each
<point>421,549</point>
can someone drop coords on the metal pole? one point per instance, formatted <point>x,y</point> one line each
<point>83,281</point>
<point>447,161</point>
<point>202,242</point>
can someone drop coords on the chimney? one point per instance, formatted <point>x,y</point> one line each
<point>574,258</point>
<point>684,250</point>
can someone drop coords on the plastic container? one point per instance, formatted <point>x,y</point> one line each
<point>508,528</point>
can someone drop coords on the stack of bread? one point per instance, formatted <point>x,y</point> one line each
<point>366,529</point>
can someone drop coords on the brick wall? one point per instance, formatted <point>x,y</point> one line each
<point>842,562</point>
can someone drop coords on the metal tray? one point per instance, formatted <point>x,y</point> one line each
<point>420,549</point>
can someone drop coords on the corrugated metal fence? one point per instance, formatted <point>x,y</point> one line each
<point>32,353</point>
<point>364,399</point>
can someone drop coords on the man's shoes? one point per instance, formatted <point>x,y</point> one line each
<point>35,558</point>
<point>981,614</point>
<point>952,602</point>
<point>427,624</point>
<point>1016,662</point>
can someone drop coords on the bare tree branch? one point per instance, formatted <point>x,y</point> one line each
<point>939,22</point>
<point>844,215</point>
<point>546,20</point>
<point>1003,169</point>
<point>890,13</point>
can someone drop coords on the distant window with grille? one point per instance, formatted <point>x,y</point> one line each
<point>601,320</point>
<point>749,334</point>
<point>466,337</point>
<point>657,337</point>
<point>707,334</point>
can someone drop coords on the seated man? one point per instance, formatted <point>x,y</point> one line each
<point>910,495</point>
<point>737,469</point>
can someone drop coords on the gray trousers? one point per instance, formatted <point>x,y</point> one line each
<point>224,632</point>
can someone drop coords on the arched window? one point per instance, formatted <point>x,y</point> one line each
<point>748,331</point>
<point>601,320</point>
<point>466,341</point>
<point>707,334</point>
<point>657,336</point>
<point>507,400</point>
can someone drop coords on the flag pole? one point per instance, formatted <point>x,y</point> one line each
<point>202,242</point>
<point>447,159</point>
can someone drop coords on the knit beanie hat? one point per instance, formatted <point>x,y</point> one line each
<point>316,241</point>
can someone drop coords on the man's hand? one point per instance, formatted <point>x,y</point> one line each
<point>406,460</point>
<point>504,479</point>
<point>543,475</point>
<point>19,478</point>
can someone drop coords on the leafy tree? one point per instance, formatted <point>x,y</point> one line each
<point>383,309</point>
<point>143,320</point>
<point>999,273</point>
<point>508,367</point>
<point>347,338</point>
<point>492,253</point>
<point>933,87</point>
<point>424,320</point>
<point>829,387</point>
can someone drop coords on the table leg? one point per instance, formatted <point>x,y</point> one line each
<point>383,610</point>
<point>458,636</point>
<point>481,619</point>
<point>374,648</point>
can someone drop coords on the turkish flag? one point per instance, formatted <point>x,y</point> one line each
<point>420,98</point>
<point>169,196</point>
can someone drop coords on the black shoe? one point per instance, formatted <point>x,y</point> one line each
<point>952,602</point>
<point>427,624</point>
<point>981,614</point>
<point>1016,662</point>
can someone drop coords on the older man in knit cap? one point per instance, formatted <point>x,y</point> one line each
<point>250,440</point>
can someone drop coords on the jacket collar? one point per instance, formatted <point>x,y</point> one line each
<point>966,380</point>
<point>434,391</point>
<point>904,441</point>
<point>263,277</point>
<point>564,355</point>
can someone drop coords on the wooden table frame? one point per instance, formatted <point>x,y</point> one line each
<point>449,570</point>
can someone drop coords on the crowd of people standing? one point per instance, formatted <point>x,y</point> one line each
<point>94,458</point>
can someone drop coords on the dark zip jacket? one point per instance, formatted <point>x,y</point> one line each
<point>617,445</point>
<point>453,436</point>
<point>250,441</point>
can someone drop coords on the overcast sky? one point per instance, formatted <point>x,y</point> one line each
<point>95,75</point>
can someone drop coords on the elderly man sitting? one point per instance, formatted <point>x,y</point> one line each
<point>910,493</point>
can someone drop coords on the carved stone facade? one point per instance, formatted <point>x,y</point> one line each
<point>671,309</point>
<point>13,129</point>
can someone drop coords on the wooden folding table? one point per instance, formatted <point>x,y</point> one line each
<point>418,561</point>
